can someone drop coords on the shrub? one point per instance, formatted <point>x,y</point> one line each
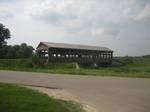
<point>37,61</point>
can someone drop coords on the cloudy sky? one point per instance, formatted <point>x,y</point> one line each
<point>122,25</point>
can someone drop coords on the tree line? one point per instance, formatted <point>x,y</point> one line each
<point>15,51</point>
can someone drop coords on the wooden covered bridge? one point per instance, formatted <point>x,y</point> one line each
<point>60,52</point>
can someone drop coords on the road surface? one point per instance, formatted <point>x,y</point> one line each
<point>106,94</point>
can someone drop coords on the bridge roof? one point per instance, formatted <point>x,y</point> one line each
<point>46,45</point>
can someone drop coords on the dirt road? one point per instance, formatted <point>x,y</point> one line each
<point>106,94</point>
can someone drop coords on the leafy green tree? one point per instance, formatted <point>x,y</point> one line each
<point>16,51</point>
<point>4,35</point>
<point>10,52</point>
<point>26,50</point>
<point>3,51</point>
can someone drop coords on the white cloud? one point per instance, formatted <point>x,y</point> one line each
<point>75,15</point>
<point>145,13</point>
<point>6,11</point>
<point>109,23</point>
<point>112,11</point>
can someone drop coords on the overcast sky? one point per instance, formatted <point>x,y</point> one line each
<point>122,25</point>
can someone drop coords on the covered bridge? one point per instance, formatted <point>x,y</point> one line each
<point>60,52</point>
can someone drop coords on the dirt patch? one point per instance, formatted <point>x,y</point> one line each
<point>63,95</point>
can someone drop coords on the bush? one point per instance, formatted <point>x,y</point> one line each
<point>37,61</point>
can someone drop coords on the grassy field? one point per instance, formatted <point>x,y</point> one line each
<point>19,99</point>
<point>134,67</point>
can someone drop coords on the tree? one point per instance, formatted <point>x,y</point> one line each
<point>4,35</point>
<point>26,50</point>
<point>16,51</point>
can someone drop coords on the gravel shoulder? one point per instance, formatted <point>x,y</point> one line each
<point>63,95</point>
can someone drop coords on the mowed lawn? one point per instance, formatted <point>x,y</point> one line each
<point>19,99</point>
<point>134,67</point>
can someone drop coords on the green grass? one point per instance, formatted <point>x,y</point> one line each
<point>135,67</point>
<point>19,99</point>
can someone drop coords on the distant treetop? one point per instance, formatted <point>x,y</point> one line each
<point>4,35</point>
